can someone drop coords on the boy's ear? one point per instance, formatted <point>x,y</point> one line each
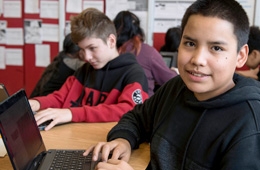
<point>111,41</point>
<point>242,56</point>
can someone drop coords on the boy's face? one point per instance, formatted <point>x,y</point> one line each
<point>97,52</point>
<point>208,56</point>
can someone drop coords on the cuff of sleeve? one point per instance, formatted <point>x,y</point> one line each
<point>78,114</point>
<point>125,135</point>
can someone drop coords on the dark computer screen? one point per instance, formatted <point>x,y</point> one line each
<point>19,130</point>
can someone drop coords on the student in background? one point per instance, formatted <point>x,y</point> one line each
<point>253,60</point>
<point>172,40</point>
<point>63,66</point>
<point>131,39</point>
<point>104,88</point>
<point>208,117</point>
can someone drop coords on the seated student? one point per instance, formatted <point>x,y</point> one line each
<point>63,66</point>
<point>206,118</point>
<point>104,88</point>
<point>253,60</point>
<point>172,40</point>
<point>130,39</point>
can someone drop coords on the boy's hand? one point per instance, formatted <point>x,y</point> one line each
<point>120,149</point>
<point>35,105</point>
<point>56,115</point>
<point>113,164</point>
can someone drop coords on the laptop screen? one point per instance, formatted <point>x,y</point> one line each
<point>170,58</point>
<point>19,130</point>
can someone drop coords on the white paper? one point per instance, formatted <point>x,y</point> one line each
<point>170,10</point>
<point>14,56</point>
<point>50,32</point>
<point>1,7</point>
<point>31,6</point>
<point>113,7</point>
<point>14,36</point>
<point>94,4</point>
<point>12,9</point>
<point>67,28</point>
<point>33,31</point>
<point>49,9</point>
<point>3,25</point>
<point>74,6</point>
<point>42,55</point>
<point>169,14</point>
<point>161,26</point>
<point>2,57</point>
<point>249,7</point>
<point>2,148</point>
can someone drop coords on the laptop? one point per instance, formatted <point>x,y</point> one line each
<point>170,58</point>
<point>3,93</point>
<point>24,143</point>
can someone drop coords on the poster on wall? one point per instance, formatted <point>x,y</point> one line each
<point>249,7</point>
<point>138,7</point>
<point>169,14</point>
<point>33,31</point>
<point>49,9</point>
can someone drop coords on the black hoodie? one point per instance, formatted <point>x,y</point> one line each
<point>184,133</point>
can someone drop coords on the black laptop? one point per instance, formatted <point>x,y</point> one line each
<point>24,143</point>
<point>4,95</point>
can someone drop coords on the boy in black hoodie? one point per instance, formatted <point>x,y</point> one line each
<point>206,118</point>
<point>104,88</point>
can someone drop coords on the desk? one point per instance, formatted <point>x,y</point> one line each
<point>81,136</point>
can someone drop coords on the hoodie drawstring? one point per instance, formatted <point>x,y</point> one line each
<point>100,94</point>
<point>188,143</point>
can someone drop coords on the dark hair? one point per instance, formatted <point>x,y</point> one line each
<point>127,26</point>
<point>229,10</point>
<point>254,39</point>
<point>69,46</point>
<point>69,49</point>
<point>172,39</point>
<point>91,23</point>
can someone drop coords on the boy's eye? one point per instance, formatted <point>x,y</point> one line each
<point>216,48</point>
<point>91,48</point>
<point>189,43</point>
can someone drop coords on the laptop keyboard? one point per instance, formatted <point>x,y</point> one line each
<point>66,160</point>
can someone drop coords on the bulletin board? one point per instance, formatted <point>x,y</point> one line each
<point>11,45</point>
<point>41,38</point>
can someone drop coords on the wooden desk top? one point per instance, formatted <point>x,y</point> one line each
<point>81,136</point>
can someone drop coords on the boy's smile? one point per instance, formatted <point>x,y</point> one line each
<point>208,56</point>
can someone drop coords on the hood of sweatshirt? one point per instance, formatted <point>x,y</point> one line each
<point>121,61</point>
<point>244,89</point>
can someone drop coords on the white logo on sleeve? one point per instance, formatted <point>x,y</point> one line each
<point>137,97</point>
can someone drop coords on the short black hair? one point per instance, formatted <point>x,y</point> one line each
<point>254,39</point>
<point>229,10</point>
<point>172,39</point>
